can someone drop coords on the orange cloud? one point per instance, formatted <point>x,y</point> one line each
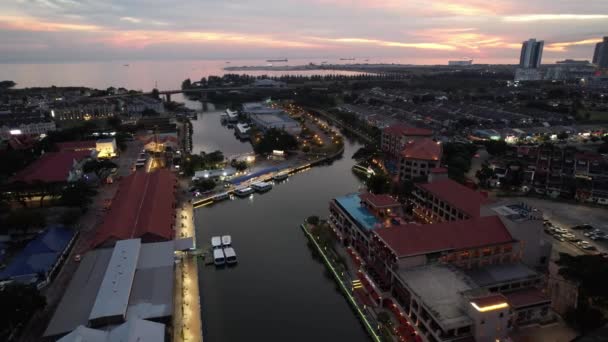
<point>31,24</point>
<point>425,7</point>
<point>564,46</point>
<point>466,38</point>
<point>430,46</point>
<point>141,39</point>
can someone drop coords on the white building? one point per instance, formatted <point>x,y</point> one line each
<point>106,148</point>
<point>30,128</point>
<point>265,117</point>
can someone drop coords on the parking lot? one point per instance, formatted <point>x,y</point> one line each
<point>564,216</point>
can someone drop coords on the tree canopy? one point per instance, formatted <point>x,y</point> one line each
<point>275,139</point>
<point>457,156</point>
<point>19,303</point>
<point>7,84</point>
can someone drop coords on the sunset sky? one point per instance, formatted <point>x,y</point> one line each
<point>409,30</point>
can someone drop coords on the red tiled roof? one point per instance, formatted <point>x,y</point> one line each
<point>51,167</point>
<point>76,145</point>
<point>457,195</point>
<point>489,300</point>
<point>424,149</point>
<point>378,201</point>
<point>439,170</point>
<point>22,142</point>
<point>142,208</point>
<point>526,297</point>
<point>403,129</point>
<point>415,239</point>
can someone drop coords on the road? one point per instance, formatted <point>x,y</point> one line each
<point>477,162</point>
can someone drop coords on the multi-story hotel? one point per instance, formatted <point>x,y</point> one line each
<point>462,269</point>
<point>395,137</point>
<point>418,158</point>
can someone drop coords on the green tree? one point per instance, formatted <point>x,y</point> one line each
<point>78,194</point>
<point>7,84</point>
<point>314,220</point>
<point>205,184</point>
<point>155,94</point>
<point>378,184</point>
<point>186,84</point>
<point>275,139</point>
<point>484,175</point>
<point>19,303</point>
<point>324,235</point>
<point>239,165</point>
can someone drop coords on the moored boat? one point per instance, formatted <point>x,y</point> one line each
<point>218,257</point>
<point>230,255</point>
<point>244,192</point>
<point>280,176</point>
<point>221,196</point>
<point>216,242</point>
<point>261,186</point>
<point>226,241</point>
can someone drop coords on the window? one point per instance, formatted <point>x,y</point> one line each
<point>501,315</point>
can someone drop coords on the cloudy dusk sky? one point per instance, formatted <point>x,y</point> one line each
<point>489,31</point>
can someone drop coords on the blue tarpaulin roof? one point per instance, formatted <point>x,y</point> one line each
<point>40,254</point>
<point>241,179</point>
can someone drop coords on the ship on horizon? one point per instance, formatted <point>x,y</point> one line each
<point>347,59</point>
<point>277,60</point>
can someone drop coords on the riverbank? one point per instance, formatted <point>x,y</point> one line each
<point>346,285</point>
<point>265,178</point>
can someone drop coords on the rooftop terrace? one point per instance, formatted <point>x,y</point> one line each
<point>352,205</point>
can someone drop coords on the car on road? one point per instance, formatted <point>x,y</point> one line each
<point>561,238</point>
<point>77,257</point>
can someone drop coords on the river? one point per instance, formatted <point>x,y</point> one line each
<point>277,292</point>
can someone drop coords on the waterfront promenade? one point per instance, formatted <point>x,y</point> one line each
<point>187,323</point>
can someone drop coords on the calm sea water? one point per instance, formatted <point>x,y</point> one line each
<point>138,75</point>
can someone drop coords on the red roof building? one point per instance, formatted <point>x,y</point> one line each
<point>143,207</point>
<point>414,239</point>
<point>53,167</point>
<point>407,130</point>
<point>418,157</point>
<point>446,200</point>
<point>396,136</point>
<point>379,201</point>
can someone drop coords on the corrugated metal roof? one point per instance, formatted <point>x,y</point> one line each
<point>113,296</point>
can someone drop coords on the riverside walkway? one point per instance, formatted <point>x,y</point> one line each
<point>187,320</point>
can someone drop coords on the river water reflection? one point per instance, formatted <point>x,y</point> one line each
<point>277,292</point>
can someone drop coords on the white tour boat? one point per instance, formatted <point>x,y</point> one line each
<point>216,242</point>
<point>218,257</point>
<point>226,241</point>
